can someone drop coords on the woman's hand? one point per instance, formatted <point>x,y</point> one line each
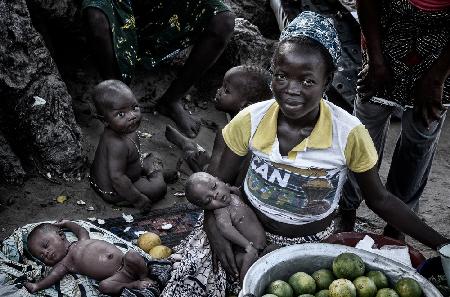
<point>220,247</point>
<point>428,99</point>
<point>373,78</point>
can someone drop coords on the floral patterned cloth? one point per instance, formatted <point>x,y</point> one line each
<point>154,31</point>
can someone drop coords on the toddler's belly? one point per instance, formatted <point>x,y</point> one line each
<point>100,260</point>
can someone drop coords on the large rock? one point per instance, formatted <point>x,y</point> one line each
<point>11,170</point>
<point>248,46</point>
<point>36,111</point>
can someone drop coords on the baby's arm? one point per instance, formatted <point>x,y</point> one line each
<point>226,228</point>
<point>79,231</point>
<point>117,166</point>
<point>57,273</point>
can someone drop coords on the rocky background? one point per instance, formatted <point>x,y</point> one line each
<point>48,132</point>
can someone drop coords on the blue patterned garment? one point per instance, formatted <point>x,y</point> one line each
<point>317,27</point>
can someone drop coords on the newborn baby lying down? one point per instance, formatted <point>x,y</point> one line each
<point>93,258</point>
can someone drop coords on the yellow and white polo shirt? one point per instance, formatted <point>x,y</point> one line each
<point>305,185</point>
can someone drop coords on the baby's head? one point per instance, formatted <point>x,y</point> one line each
<point>243,85</point>
<point>48,243</point>
<point>303,64</point>
<point>207,191</point>
<point>117,106</point>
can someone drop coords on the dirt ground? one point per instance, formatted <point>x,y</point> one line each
<point>36,200</point>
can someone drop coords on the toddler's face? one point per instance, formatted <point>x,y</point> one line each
<point>49,247</point>
<point>299,79</point>
<point>230,97</point>
<point>123,114</point>
<point>211,193</point>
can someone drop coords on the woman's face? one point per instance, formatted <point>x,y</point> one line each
<point>299,79</point>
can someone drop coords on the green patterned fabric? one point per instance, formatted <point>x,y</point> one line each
<point>150,32</point>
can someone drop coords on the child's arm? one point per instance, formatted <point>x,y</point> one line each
<point>117,167</point>
<point>79,231</point>
<point>226,228</point>
<point>57,273</point>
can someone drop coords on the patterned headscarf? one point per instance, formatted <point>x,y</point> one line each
<point>317,27</point>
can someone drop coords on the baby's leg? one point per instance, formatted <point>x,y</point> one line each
<point>153,186</point>
<point>132,275</point>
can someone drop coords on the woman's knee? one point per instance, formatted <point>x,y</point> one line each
<point>222,25</point>
<point>97,22</point>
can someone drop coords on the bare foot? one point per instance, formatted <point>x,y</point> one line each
<point>197,160</point>
<point>145,284</point>
<point>170,176</point>
<point>184,121</point>
<point>144,205</point>
<point>174,136</point>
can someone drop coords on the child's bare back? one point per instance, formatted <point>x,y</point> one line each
<point>93,258</point>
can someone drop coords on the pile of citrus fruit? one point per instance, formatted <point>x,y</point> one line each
<point>347,278</point>
<point>151,243</point>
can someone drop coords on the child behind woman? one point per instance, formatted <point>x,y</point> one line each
<point>242,85</point>
<point>119,174</point>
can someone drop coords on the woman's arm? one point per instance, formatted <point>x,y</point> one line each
<point>226,170</point>
<point>429,89</point>
<point>394,211</point>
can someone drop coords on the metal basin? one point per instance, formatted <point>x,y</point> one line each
<point>282,263</point>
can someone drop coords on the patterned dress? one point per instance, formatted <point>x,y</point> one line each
<point>153,31</point>
<point>412,39</point>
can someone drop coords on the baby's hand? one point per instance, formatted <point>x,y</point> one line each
<point>61,223</point>
<point>31,287</point>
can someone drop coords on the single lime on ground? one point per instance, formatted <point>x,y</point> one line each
<point>365,287</point>
<point>280,288</point>
<point>302,283</point>
<point>386,292</point>
<point>408,287</point>
<point>348,265</point>
<point>342,288</point>
<point>323,278</point>
<point>379,278</point>
<point>323,293</point>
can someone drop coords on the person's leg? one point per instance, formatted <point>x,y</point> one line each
<point>375,118</point>
<point>133,275</point>
<point>100,39</point>
<point>194,155</point>
<point>411,162</point>
<point>203,55</point>
<point>153,186</point>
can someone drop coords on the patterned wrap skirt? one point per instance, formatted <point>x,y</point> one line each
<point>412,39</point>
<point>151,32</point>
<point>194,277</point>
